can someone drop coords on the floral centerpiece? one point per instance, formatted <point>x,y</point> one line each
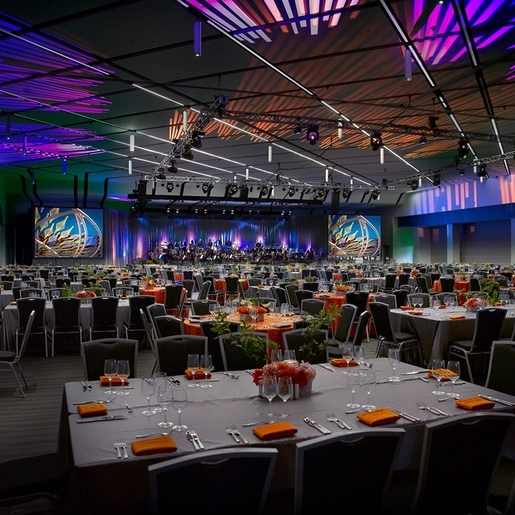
<point>301,373</point>
<point>343,288</point>
<point>489,294</point>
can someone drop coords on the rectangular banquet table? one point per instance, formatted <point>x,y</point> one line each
<point>102,482</point>
<point>435,329</point>
<point>10,321</point>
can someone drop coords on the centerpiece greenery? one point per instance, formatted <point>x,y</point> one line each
<point>489,292</point>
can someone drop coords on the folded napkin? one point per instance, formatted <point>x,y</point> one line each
<point>104,381</point>
<point>153,446</point>
<point>378,417</point>
<point>456,317</point>
<point>281,325</point>
<point>92,410</point>
<point>474,403</point>
<point>416,312</point>
<point>13,303</point>
<point>275,430</point>
<point>407,308</point>
<point>340,362</point>
<point>445,371</point>
<point>442,306</point>
<point>198,375</point>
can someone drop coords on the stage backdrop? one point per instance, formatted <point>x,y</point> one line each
<point>355,236</point>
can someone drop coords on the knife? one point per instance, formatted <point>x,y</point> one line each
<point>499,401</point>
<point>316,425</point>
<point>192,440</point>
<point>84,386</point>
<point>88,386</point>
<point>197,439</point>
<point>101,419</point>
<point>327,367</point>
<point>407,416</point>
<point>413,372</point>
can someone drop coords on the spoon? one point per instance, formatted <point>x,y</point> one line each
<point>152,434</point>
<point>129,408</point>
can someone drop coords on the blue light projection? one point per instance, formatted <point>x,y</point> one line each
<point>356,236</point>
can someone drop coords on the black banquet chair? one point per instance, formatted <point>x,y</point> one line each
<point>67,320</point>
<point>134,327</point>
<point>25,307</point>
<point>234,480</point>
<point>345,459</point>
<point>103,318</point>
<point>172,352</point>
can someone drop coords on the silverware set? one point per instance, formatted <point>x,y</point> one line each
<point>331,417</point>
<point>317,426</point>
<point>195,440</point>
<point>121,449</point>
<point>96,401</point>
<point>235,433</point>
<point>431,409</point>
<point>86,386</point>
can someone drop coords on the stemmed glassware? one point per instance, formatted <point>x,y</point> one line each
<point>206,365</point>
<point>289,355</point>
<point>438,371</point>
<point>193,366</point>
<point>453,368</point>
<point>148,388</point>
<point>436,304</point>
<point>179,402</point>
<point>159,378</point>
<point>253,312</point>
<point>212,308</point>
<point>269,386</point>
<point>285,392</point>
<point>353,382</point>
<point>165,398</point>
<point>369,382</point>
<point>284,309</point>
<point>348,354</point>
<point>110,372</point>
<point>393,359</point>
<point>359,355</point>
<point>123,371</point>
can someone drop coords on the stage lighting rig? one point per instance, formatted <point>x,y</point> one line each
<point>312,134</point>
<point>376,141</point>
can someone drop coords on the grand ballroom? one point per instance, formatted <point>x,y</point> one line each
<point>277,126</point>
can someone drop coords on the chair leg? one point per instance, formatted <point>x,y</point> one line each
<point>17,379</point>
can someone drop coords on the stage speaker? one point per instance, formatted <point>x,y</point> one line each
<point>142,192</point>
<point>335,202</point>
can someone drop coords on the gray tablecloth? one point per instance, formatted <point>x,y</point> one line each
<point>105,480</point>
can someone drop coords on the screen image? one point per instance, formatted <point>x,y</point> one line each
<point>68,232</point>
<point>354,236</point>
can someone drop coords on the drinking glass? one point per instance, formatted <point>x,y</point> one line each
<point>179,402</point>
<point>284,309</point>
<point>159,378</point>
<point>148,388</point>
<point>193,367</point>
<point>212,308</point>
<point>253,312</point>
<point>269,386</point>
<point>393,359</point>
<point>122,371</point>
<point>438,370</point>
<point>353,382</point>
<point>110,372</point>
<point>359,355</point>
<point>453,366</point>
<point>289,355</point>
<point>369,382</point>
<point>347,353</point>
<point>436,304</point>
<point>285,392</point>
<point>206,365</point>
<point>164,395</point>
<point>276,355</point>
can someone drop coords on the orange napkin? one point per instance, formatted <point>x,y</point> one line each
<point>104,381</point>
<point>198,375</point>
<point>153,446</point>
<point>444,371</point>
<point>275,430</point>
<point>378,417</point>
<point>340,362</point>
<point>13,303</point>
<point>407,308</point>
<point>442,306</point>
<point>416,312</point>
<point>456,317</point>
<point>92,410</point>
<point>474,403</point>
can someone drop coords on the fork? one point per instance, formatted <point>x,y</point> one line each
<point>229,431</point>
<point>236,432</point>
<point>146,435</point>
<point>424,406</point>
<point>121,446</point>
<point>331,417</point>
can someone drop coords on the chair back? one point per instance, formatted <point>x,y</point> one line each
<point>32,292</point>
<point>487,329</point>
<point>389,281</point>
<point>358,299</point>
<point>300,295</point>
<point>255,281</point>
<point>500,375</point>
<point>62,282</point>
<point>344,324</point>
<point>447,284</point>
<point>95,352</point>
<point>401,296</point>
<point>206,328</point>
<point>173,296</point>
<point>296,339</point>
<point>172,352</point>
<point>204,290</point>
<point>136,303</point>
<point>25,307</point>
<point>310,286</point>
<point>233,356</point>
<point>103,316</point>
<point>279,295</point>
<point>387,298</point>
<point>312,306</point>
<point>201,307</point>
<point>155,309</point>
<point>403,279</point>
<point>381,317</point>
<point>290,291</point>
<point>231,285</point>
<point>474,284</point>
<point>456,469</point>
<point>422,284</point>
<point>426,299</point>
<point>66,312</point>
<point>361,327</point>
<point>231,479</point>
<point>189,285</point>
<point>345,459</point>
<point>168,325</point>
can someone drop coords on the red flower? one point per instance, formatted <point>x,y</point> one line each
<point>300,373</point>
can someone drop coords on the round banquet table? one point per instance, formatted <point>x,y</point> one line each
<point>158,293</point>
<point>331,299</point>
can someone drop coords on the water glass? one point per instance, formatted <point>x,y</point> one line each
<point>454,368</point>
<point>369,382</point>
<point>394,359</point>
<point>285,392</point>
<point>438,371</point>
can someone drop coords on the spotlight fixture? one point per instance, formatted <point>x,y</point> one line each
<point>422,140</point>
<point>436,180</point>
<point>196,139</point>
<point>312,134</point>
<point>297,129</point>
<point>463,148</point>
<point>375,194</point>
<point>161,176</point>
<point>291,191</point>
<point>171,166</point>
<point>431,123</point>
<point>264,191</point>
<point>346,193</point>
<point>206,188</point>
<point>384,184</point>
<point>482,171</point>
<point>187,154</point>
<point>319,193</point>
<point>169,187</point>
<point>376,141</point>
<point>233,189</point>
<point>413,184</point>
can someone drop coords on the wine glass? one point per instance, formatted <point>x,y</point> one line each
<point>359,355</point>
<point>453,368</point>
<point>164,395</point>
<point>353,382</point>
<point>212,308</point>
<point>285,392</point>
<point>436,304</point>
<point>179,402</point>
<point>206,365</point>
<point>193,367</point>
<point>159,378</point>
<point>438,371</point>
<point>148,388</point>
<point>347,353</point>
<point>269,386</point>
<point>122,371</point>
<point>393,359</point>
<point>253,312</point>
<point>289,355</point>
<point>110,372</point>
<point>284,309</point>
<point>369,382</point>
